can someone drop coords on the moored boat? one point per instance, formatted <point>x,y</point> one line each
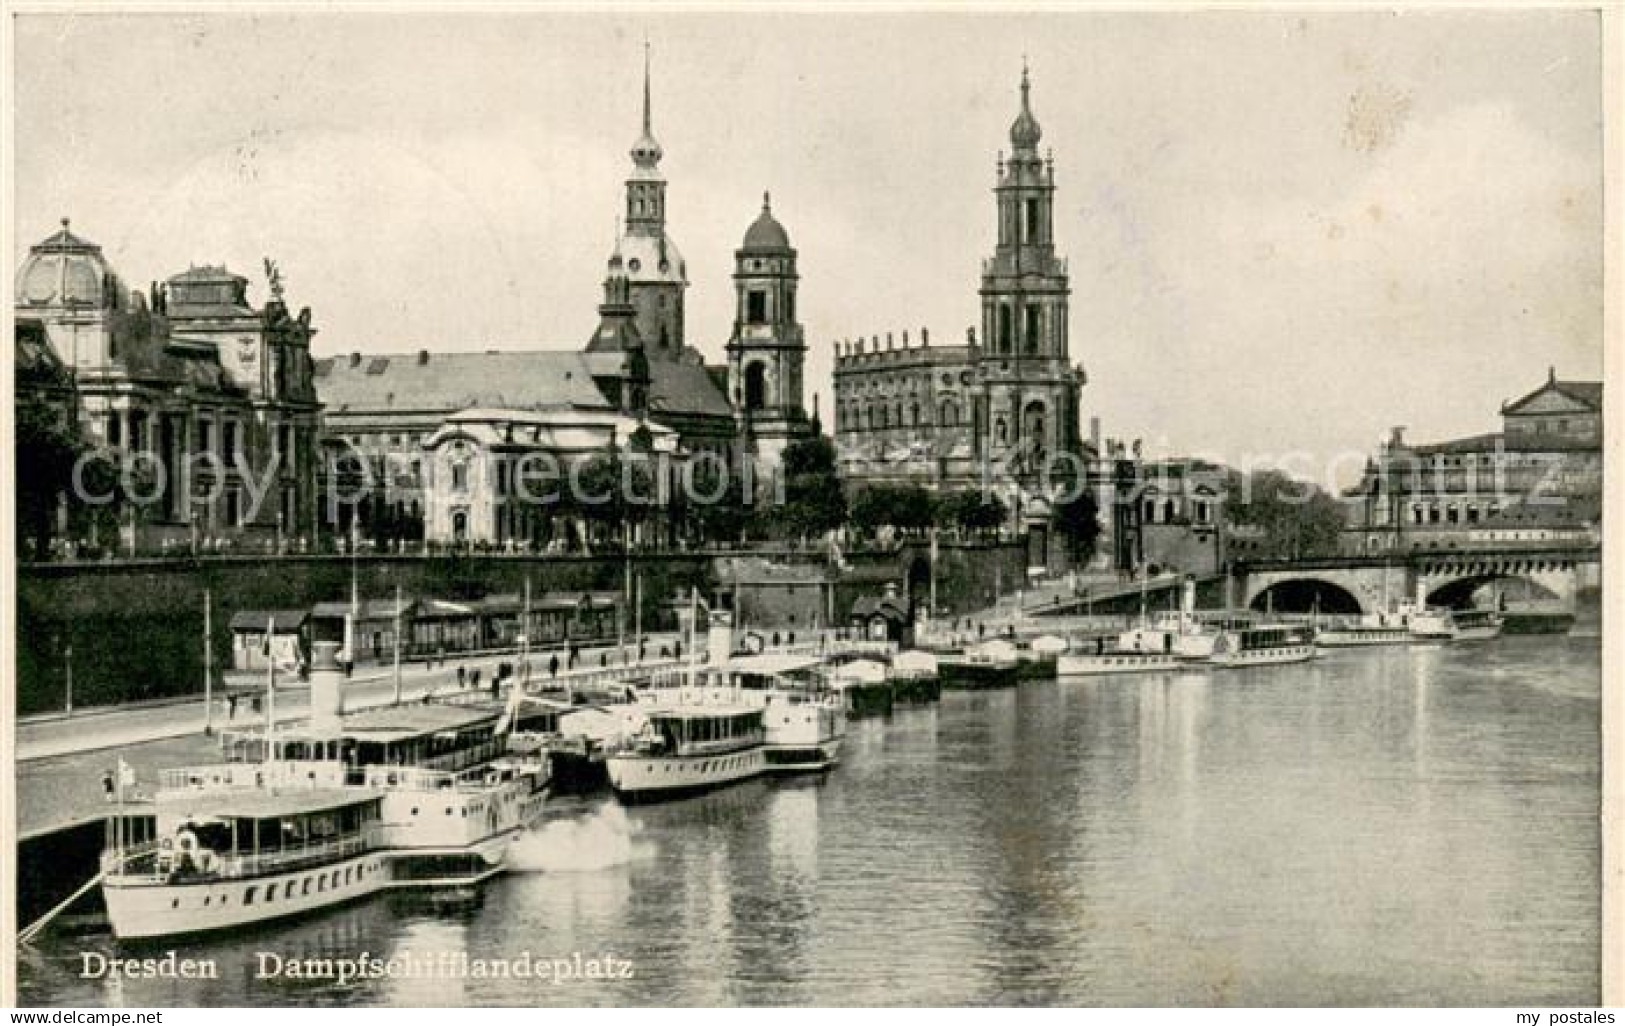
<point>1476,624</point>
<point>916,676</point>
<point>1114,661</point>
<point>991,664</point>
<point>422,796</point>
<point>686,749</point>
<point>1263,645</point>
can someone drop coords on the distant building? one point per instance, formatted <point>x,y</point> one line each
<point>1538,479</point>
<point>212,395</point>
<point>767,351</point>
<point>968,415</point>
<point>427,441</point>
<point>768,596</point>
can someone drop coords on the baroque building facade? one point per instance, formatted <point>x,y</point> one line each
<point>431,439</point>
<point>999,413</point>
<point>203,403</point>
<point>1538,479</point>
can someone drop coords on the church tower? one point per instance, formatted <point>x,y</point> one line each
<point>656,275</point>
<point>767,350</point>
<point>617,332</point>
<point>1029,409</point>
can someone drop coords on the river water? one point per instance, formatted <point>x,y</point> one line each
<point>1382,826</point>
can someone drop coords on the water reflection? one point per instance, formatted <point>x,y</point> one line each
<point>1406,825</point>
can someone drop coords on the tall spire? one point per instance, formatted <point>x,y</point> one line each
<point>646,152</point>
<point>647,130</point>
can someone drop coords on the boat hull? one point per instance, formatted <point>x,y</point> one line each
<point>1356,638</point>
<point>1112,663</point>
<point>640,778</point>
<point>971,676</point>
<point>147,909</point>
<point>814,758</point>
<point>1264,656</point>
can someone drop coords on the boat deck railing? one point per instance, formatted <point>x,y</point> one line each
<point>158,861</point>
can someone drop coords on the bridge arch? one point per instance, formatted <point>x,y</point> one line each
<point>1306,594</point>
<point>1459,592</point>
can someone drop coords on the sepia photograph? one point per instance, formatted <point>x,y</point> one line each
<point>914,506</point>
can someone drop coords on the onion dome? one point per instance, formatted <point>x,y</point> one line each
<point>767,234</point>
<point>64,270</point>
<point>1025,132</point>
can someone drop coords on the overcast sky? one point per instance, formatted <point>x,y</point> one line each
<point>1283,229</point>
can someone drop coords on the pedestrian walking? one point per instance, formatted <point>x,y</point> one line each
<point>462,676</point>
<point>553,665</point>
<point>109,789</point>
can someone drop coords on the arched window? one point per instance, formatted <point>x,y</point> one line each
<point>1005,328</point>
<point>755,386</point>
<point>1001,430</point>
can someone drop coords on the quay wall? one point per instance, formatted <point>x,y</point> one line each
<point>135,628</point>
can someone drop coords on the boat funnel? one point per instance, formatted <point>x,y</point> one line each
<point>720,644</point>
<point>326,689</point>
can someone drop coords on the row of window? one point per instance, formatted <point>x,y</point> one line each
<point>1451,513</point>
<point>231,433</point>
<point>322,881</point>
<point>1167,511</point>
<point>881,418</point>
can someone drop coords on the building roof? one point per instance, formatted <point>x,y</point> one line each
<point>684,388</point>
<point>766,235</point>
<point>264,804</point>
<point>370,609</point>
<point>255,621</point>
<point>521,380</point>
<point>1586,393</point>
<point>888,606</point>
<point>1489,442</point>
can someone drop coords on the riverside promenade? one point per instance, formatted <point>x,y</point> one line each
<point>61,758</point>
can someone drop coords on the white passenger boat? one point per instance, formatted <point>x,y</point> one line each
<point>805,711</point>
<point>1476,624</point>
<point>1391,626</point>
<point>422,796</point>
<point>1114,661</point>
<point>1263,645</point>
<point>686,749</point>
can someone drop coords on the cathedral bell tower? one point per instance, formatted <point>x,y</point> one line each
<point>1029,407</point>
<point>767,350</point>
<point>656,275</point>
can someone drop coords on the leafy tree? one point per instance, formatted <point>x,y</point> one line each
<point>46,450</point>
<point>969,511</point>
<point>1298,518</point>
<point>1078,521</point>
<point>906,508</point>
<point>814,497</point>
<point>709,502</point>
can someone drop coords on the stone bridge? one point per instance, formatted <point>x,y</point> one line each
<point>1550,577</point>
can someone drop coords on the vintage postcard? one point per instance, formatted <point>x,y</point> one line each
<point>810,506</point>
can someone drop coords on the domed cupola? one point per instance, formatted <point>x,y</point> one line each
<point>65,270</point>
<point>766,235</point>
<point>1025,132</point>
